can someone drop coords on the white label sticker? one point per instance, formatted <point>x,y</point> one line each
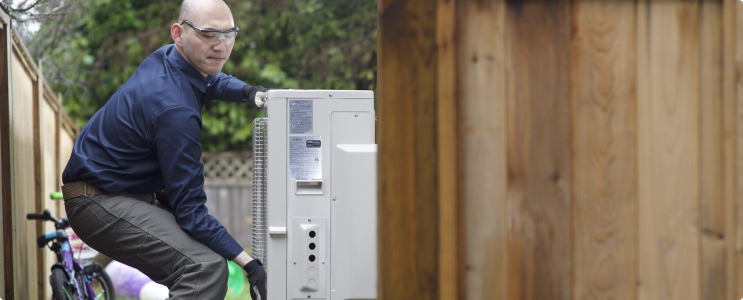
<point>305,157</point>
<point>300,116</point>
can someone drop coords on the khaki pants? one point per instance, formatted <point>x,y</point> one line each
<point>132,230</point>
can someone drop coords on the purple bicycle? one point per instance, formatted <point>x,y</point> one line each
<point>72,279</point>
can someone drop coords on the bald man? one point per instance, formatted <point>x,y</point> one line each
<point>145,140</point>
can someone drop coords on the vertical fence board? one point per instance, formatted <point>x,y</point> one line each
<point>714,238</point>
<point>407,158</point>
<point>731,136</point>
<point>58,161</point>
<point>604,150</point>
<point>48,150</point>
<point>225,207</point>
<point>538,138</point>
<point>5,163</point>
<point>483,135</point>
<point>38,180</point>
<point>231,205</point>
<point>669,151</point>
<point>733,119</point>
<point>66,142</point>
<point>450,258</point>
<point>24,196</point>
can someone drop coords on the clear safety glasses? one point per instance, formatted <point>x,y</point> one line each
<point>213,36</point>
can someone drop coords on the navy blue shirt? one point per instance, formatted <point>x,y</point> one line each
<point>147,137</point>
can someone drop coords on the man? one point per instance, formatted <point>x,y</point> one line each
<point>146,138</point>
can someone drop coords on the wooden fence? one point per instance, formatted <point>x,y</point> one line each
<point>228,183</point>
<point>36,139</point>
<point>560,149</point>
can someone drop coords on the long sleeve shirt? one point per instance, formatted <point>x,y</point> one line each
<point>147,137</point>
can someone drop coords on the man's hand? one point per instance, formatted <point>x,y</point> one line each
<point>260,99</point>
<point>255,94</point>
<point>257,279</point>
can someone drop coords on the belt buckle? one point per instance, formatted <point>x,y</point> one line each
<point>85,190</point>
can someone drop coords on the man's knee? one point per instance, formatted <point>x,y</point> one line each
<point>216,267</point>
<point>219,267</point>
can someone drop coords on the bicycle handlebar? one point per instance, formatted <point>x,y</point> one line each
<point>46,215</point>
<point>35,216</point>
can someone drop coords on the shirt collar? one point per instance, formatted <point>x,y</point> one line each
<point>193,75</point>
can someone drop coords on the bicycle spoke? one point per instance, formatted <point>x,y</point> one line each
<point>66,292</point>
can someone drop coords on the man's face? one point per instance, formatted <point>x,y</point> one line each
<point>207,59</point>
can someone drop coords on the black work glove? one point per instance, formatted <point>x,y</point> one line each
<point>257,279</point>
<point>254,95</point>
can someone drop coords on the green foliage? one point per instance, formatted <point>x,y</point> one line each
<point>308,44</point>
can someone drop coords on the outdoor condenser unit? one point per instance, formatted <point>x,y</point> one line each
<point>314,194</point>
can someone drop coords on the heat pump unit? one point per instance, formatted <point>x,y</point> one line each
<point>314,194</point>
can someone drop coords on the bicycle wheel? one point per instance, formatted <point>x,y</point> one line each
<point>102,286</point>
<point>60,286</point>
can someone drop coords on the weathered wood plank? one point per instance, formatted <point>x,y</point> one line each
<point>23,181</point>
<point>48,137</point>
<point>669,139</point>
<point>66,142</point>
<point>5,166</point>
<point>738,90</point>
<point>407,159</point>
<point>733,126</point>
<point>59,161</point>
<point>451,259</point>
<point>41,283</point>
<point>604,106</point>
<point>538,139</point>
<point>714,238</point>
<point>482,65</point>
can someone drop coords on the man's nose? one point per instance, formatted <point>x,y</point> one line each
<point>220,45</point>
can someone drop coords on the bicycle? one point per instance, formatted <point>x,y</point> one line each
<point>71,279</point>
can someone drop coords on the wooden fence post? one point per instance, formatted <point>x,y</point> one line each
<point>5,163</point>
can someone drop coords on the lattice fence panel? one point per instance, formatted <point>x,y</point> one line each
<point>228,168</point>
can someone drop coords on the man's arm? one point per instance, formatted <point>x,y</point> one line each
<point>231,89</point>
<point>242,259</point>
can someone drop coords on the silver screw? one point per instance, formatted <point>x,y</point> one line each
<point>309,220</point>
<point>308,296</point>
<point>355,115</point>
<point>323,263</point>
<point>331,95</point>
<point>333,198</point>
<point>295,262</point>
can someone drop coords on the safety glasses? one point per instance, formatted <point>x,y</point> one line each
<point>213,36</point>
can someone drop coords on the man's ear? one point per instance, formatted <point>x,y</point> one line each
<point>176,32</point>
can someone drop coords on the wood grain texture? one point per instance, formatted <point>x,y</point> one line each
<point>49,152</point>
<point>408,203</point>
<point>731,161</point>
<point>733,119</point>
<point>482,65</point>
<point>450,229</point>
<point>66,142</point>
<point>714,238</point>
<point>604,127</point>
<point>738,90</point>
<point>23,181</point>
<point>669,151</point>
<point>38,180</point>
<point>5,166</point>
<point>538,139</point>
<point>58,160</point>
